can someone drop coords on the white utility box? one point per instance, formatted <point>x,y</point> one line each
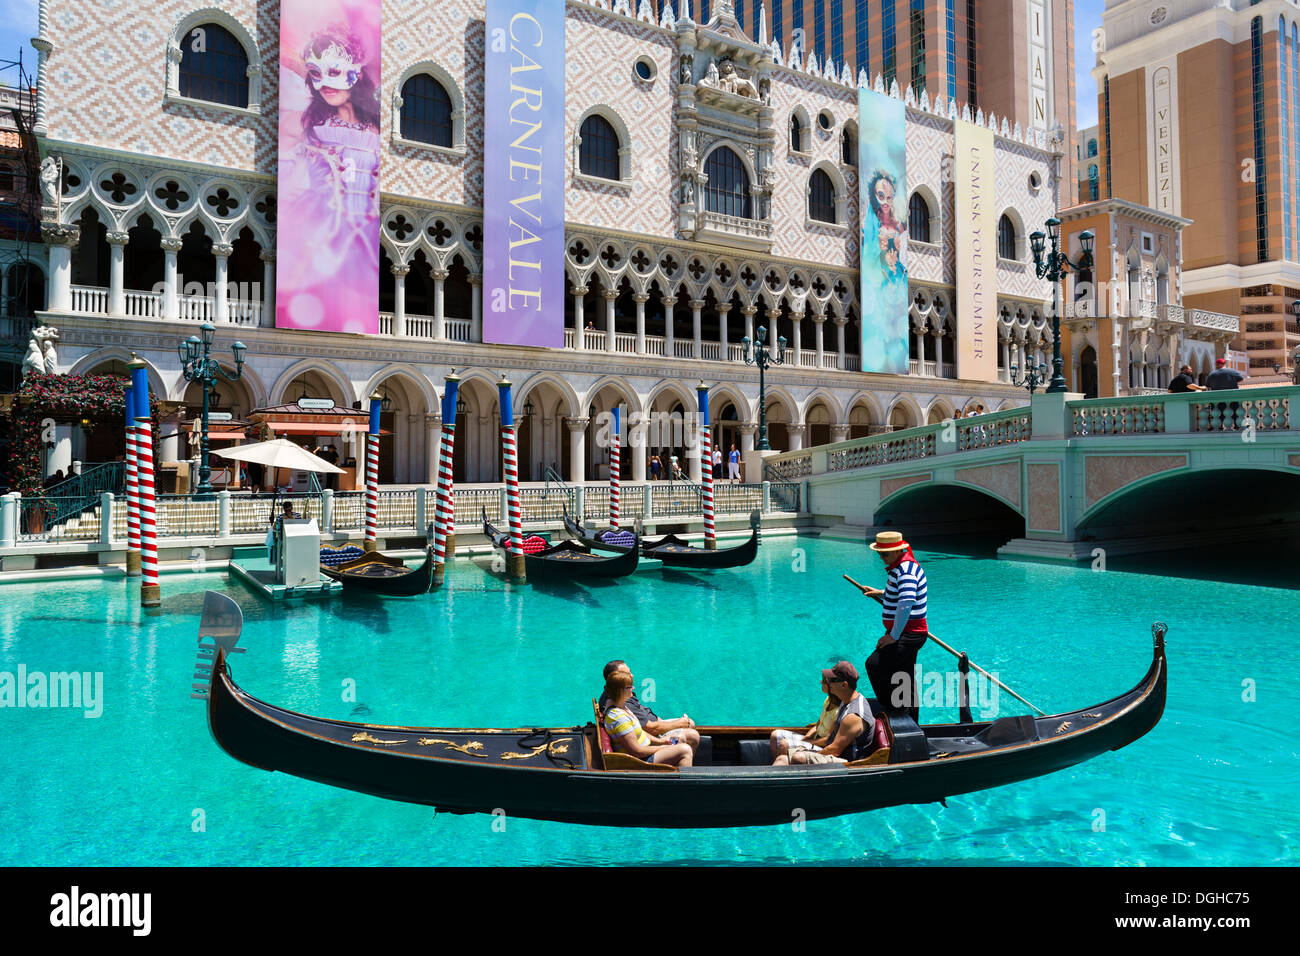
<point>299,553</point>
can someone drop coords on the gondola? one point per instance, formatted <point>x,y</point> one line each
<point>374,572</point>
<point>565,773</point>
<point>670,549</point>
<point>620,542</point>
<point>566,561</point>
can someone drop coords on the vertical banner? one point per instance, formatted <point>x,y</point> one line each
<point>882,185</point>
<point>977,292</point>
<point>523,174</point>
<point>327,245</point>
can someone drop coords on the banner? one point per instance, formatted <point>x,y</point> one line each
<point>327,244</point>
<point>977,293</point>
<point>523,174</point>
<point>882,186</point>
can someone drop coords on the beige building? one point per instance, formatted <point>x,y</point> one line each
<point>1199,109</point>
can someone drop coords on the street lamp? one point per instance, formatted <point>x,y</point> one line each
<point>1033,377</point>
<point>761,356</point>
<point>1053,267</point>
<point>197,365</point>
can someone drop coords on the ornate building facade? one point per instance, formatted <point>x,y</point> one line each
<point>159,212</point>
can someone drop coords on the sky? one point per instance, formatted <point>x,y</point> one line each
<point>18,26</point>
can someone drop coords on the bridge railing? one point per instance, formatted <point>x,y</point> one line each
<point>1260,409</point>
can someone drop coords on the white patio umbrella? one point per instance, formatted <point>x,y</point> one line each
<point>281,453</point>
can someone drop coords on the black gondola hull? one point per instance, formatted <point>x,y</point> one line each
<point>568,561</point>
<point>674,552</point>
<point>408,583</point>
<point>273,739</point>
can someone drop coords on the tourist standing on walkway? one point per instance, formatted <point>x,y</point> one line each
<point>654,467</point>
<point>1185,381</point>
<point>891,668</point>
<point>717,462</point>
<point>733,463</point>
<point>1222,377</point>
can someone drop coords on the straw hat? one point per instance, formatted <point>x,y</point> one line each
<point>889,541</point>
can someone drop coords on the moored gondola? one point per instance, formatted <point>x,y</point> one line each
<point>374,572</point>
<point>565,773</point>
<point>566,561</point>
<point>673,551</point>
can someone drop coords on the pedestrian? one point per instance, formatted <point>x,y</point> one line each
<point>1222,378</point>
<point>891,668</point>
<point>674,469</point>
<point>733,463</point>
<point>717,462</point>
<point>1185,381</point>
<point>654,467</point>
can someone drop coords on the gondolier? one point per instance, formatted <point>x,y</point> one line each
<point>903,607</point>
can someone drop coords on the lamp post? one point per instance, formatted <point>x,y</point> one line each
<point>1032,378</point>
<point>761,356</point>
<point>197,365</point>
<point>1053,267</point>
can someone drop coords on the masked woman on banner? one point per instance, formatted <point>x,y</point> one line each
<point>885,338</point>
<point>329,180</point>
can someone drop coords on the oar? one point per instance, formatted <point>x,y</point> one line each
<point>880,599</point>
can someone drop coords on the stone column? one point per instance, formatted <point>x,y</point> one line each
<point>747,432</point>
<point>268,287</point>
<point>476,308</point>
<point>696,306</point>
<point>579,304</point>
<point>400,273</point>
<point>723,309</point>
<point>637,452</point>
<point>796,318</point>
<point>170,305</point>
<point>60,281</point>
<point>577,448</point>
<point>432,446</point>
<point>938,352</point>
<point>795,431</point>
<point>839,433</point>
<point>610,296</point>
<point>841,352</point>
<point>220,310</point>
<point>773,316</point>
<point>819,335</point>
<point>669,302</point>
<point>1006,361</point>
<point>640,299</point>
<point>748,312</point>
<point>116,294</point>
<point>439,316</point>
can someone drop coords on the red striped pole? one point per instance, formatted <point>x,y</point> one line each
<point>132,496</point>
<point>706,470</point>
<point>614,469</point>
<point>510,465</point>
<point>444,509</point>
<point>150,594</point>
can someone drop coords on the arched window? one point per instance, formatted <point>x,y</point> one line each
<point>849,146</point>
<point>598,151</point>
<point>426,111</point>
<point>727,191</point>
<point>1094,186</point>
<point>218,70</point>
<point>918,218</point>
<point>1006,238</point>
<point>1092,147</point>
<point>796,134</point>
<point>821,197</point>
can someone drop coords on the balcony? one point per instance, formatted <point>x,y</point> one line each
<point>735,230</point>
<point>94,300</point>
<point>1197,318</point>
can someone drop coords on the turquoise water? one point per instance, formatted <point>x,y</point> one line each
<point>144,784</point>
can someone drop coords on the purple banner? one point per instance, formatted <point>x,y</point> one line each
<point>523,174</point>
<point>327,244</point>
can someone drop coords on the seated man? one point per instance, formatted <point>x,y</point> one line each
<point>683,728</point>
<point>815,737</point>
<point>629,737</point>
<point>851,735</point>
<point>276,531</point>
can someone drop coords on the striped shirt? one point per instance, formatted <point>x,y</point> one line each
<point>906,583</point>
<point>618,723</point>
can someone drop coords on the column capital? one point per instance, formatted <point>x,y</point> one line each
<point>400,269</point>
<point>698,304</point>
<point>819,317</point>
<point>840,320</point>
<point>748,428</point>
<point>748,309</point>
<point>577,424</point>
<point>723,308</point>
<point>432,421</point>
<point>773,314</point>
<point>58,234</point>
<point>579,291</point>
<point>266,255</point>
<point>797,315</point>
<point>796,428</point>
<point>475,278</point>
<point>222,250</point>
<point>174,245</point>
<point>609,294</point>
<point>669,301</point>
<point>439,275</point>
<point>117,238</point>
<point>640,297</point>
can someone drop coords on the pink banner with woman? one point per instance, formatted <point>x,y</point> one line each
<point>327,245</point>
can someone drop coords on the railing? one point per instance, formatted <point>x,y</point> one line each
<point>456,330</point>
<point>907,445</point>
<point>17,328</point>
<point>999,428</point>
<point>593,340</point>
<point>470,504</point>
<point>138,304</point>
<point>785,496</point>
<point>1271,413</point>
<point>89,299</point>
<point>82,492</point>
<point>711,351</point>
<point>547,504</point>
<point>683,348</point>
<point>736,226</point>
<point>1261,409</point>
<point>36,521</point>
<point>625,342</point>
<point>1118,417</point>
<point>737,498</point>
<point>788,468</point>
<point>654,344</point>
<point>675,499</point>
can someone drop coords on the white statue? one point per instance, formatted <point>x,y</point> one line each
<point>724,76</point>
<point>50,175</point>
<point>47,347</point>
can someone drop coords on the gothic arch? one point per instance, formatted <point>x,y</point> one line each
<point>450,86</point>
<point>321,367</point>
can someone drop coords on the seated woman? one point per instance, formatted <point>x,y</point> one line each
<point>815,737</point>
<point>627,735</point>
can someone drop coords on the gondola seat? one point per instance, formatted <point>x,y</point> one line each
<point>612,759</point>
<point>534,544</point>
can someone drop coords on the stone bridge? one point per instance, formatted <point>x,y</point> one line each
<point>1063,476</point>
